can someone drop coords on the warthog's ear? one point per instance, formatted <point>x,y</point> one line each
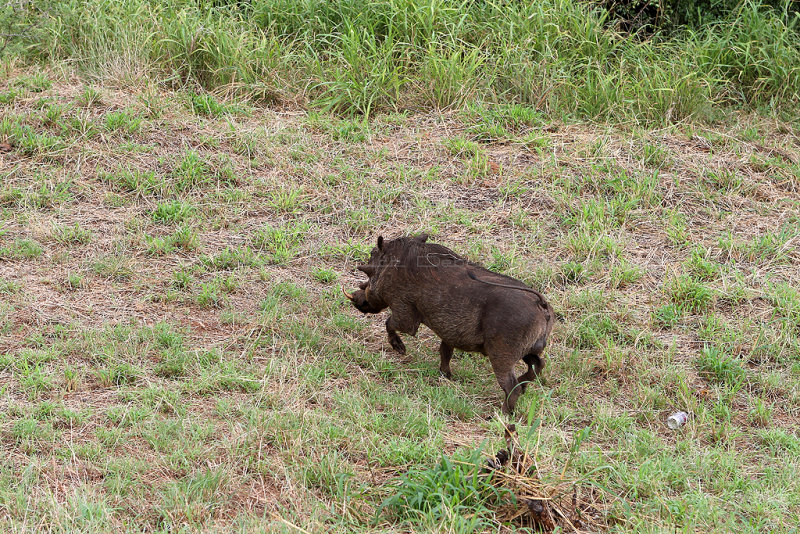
<point>380,242</point>
<point>421,238</point>
<point>369,270</point>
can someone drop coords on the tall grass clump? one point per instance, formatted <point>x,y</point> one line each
<point>214,47</point>
<point>366,74</point>
<point>451,496</point>
<point>559,56</point>
<point>174,41</point>
<point>755,55</point>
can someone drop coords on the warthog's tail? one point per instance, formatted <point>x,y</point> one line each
<point>559,317</point>
<point>529,290</point>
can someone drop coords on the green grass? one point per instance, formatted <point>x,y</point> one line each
<point>89,97</point>
<point>689,294</point>
<point>113,266</point>
<point>231,258</point>
<point>721,367</point>
<point>123,121</point>
<point>30,141</point>
<point>172,212</point>
<point>183,239</point>
<point>7,286</point>
<point>453,495</point>
<point>36,83</point>
<point>134,181</point>
<point>74,281</point>
<point>74,234</point>
<point>207,105</point>
<point>281,243</point>
<point>21,249</point>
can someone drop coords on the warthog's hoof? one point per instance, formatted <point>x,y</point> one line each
<point>447,374</point>
<point>398,345</point>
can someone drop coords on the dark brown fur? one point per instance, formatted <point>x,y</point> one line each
<point>469,307</point>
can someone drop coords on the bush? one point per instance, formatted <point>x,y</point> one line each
<point>670,15</point>
<point>359,56</point>
<point>451,496</point>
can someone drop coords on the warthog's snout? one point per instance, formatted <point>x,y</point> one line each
<point>359,300</point>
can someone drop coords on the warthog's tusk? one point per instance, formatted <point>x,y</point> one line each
<point>346,294</point>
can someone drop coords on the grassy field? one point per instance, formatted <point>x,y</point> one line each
<point>176,355</point>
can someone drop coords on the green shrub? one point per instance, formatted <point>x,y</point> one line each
<point>381,55</point>
<point>452,496</point>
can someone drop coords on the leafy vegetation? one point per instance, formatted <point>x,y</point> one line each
<point>364,56</point>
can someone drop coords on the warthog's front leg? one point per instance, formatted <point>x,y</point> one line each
<point>402,320</point>
<point>394,340</point>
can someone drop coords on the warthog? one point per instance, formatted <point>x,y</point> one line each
<point>469,307</point>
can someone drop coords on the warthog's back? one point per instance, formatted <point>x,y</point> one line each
<point>469,306</point>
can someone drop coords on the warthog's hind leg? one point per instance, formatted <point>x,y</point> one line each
<point>535,365</point>
<point>504,371</point>
<point>445,353</point>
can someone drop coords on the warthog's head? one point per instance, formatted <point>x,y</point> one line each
<point>368,298</point>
